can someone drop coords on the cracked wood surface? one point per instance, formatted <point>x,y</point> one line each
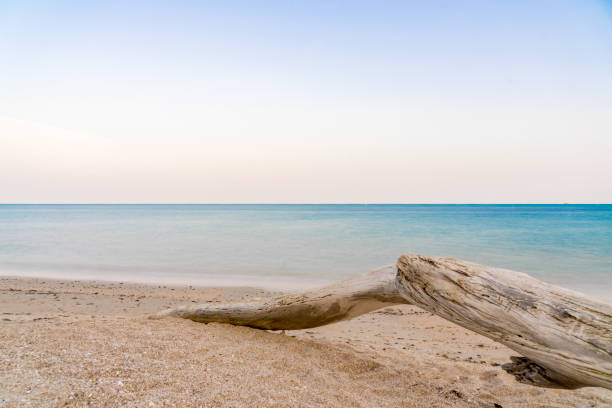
<point>567,335</point>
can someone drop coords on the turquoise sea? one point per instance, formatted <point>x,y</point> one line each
<point>291,246</point>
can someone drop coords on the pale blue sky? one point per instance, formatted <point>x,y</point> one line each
<point>324,101</point>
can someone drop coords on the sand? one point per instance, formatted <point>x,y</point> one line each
<point>80,343</point>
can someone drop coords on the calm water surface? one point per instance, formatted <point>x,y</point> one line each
<point>301,245</point>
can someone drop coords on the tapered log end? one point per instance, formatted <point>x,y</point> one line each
<point>302,310</point>
<point>160,315</point>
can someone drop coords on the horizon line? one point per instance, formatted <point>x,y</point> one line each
<point>307,203</point>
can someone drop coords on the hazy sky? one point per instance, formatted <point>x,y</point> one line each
<point>323,101</point>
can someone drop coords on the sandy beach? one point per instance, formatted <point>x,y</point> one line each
<point>82,343</point>
<point>306,204</point>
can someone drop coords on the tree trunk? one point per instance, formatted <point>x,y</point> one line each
<point>567,337</point>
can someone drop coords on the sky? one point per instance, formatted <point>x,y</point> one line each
<point>306,102</point>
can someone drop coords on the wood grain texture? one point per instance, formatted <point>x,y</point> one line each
<point>566,337</point>
<point>340,301</point>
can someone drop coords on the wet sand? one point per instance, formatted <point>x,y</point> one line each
<point>83,343</point>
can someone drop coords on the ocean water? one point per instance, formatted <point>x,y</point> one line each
<point>294,246</point>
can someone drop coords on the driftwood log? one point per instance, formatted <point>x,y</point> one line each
<point>340,301</point>
<point>565,337</point>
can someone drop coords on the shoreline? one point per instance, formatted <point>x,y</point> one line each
<point>265,282</point>
<point>270,282</point>
<point>90,343</point>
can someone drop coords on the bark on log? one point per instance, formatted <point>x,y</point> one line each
<point>567,336</point>
<point>340,301</point>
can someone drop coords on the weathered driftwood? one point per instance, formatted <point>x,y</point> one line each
<point>566,337</point>
<point>340,301</point>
